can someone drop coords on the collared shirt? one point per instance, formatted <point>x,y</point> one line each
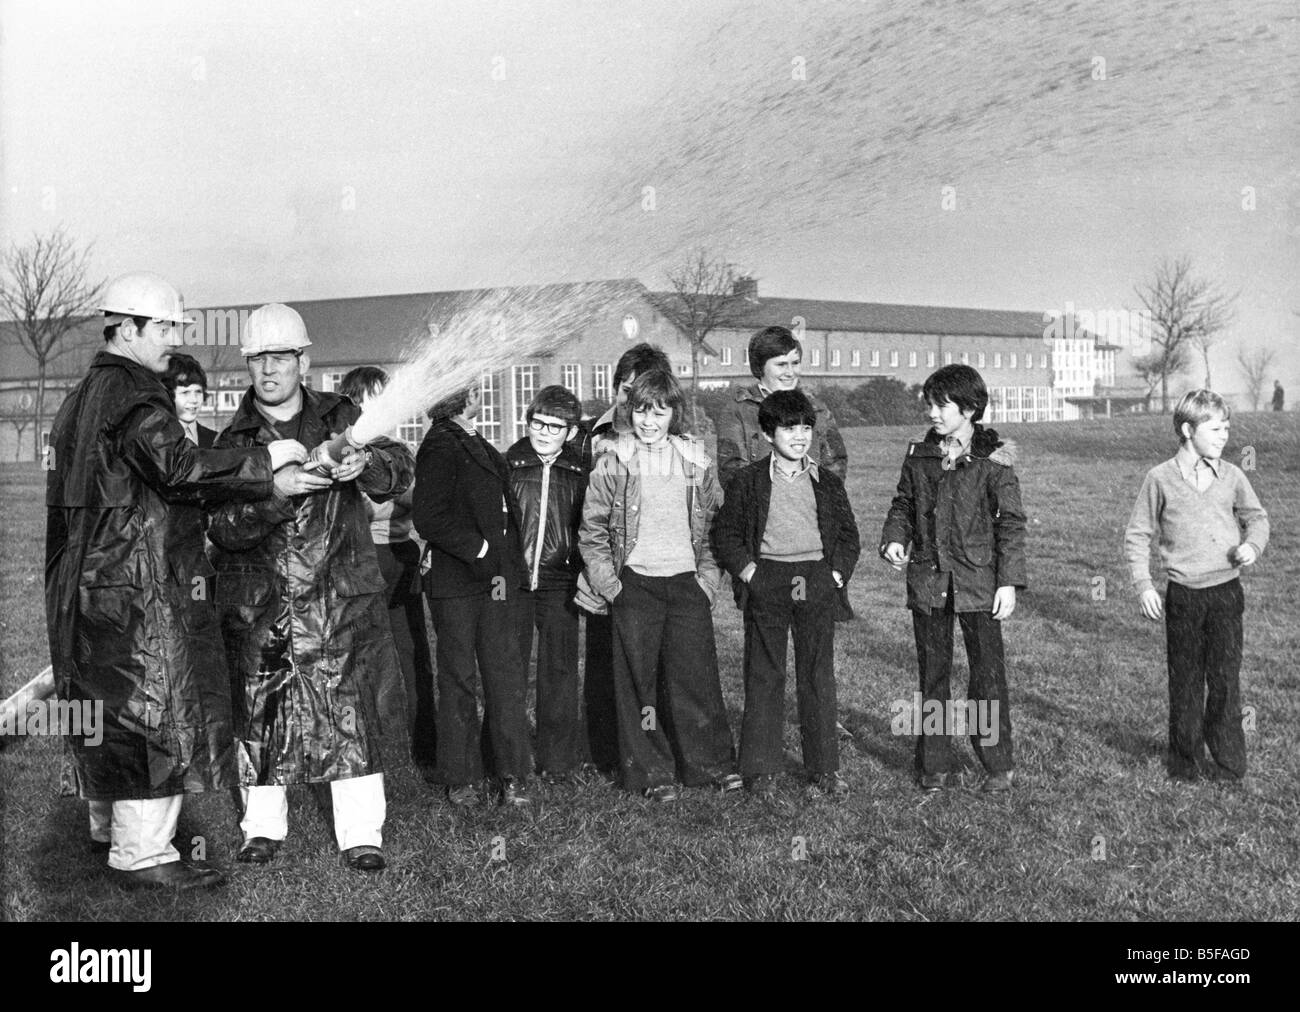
<point>953,449</point>
<point>1199,472</point>
<point>191,431</point>
<point>808,464</point>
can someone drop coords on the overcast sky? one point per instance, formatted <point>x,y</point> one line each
<point>291,150</point>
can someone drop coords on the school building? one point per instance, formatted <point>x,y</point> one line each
<point>1035,370</point>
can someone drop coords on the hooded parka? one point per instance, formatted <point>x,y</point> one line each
<point>314,673</point>
<point>128,590</point>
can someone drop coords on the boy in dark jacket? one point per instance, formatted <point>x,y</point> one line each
<point>462,509</point>
<point>548,482</point>
<point>958,526</point>
<point>787,536</point>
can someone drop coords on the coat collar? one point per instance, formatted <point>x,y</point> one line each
<point>984,444</point>
<point>317,406</point>
<point>522,454</point>
<point>473,444</point>
<point>688,449</point>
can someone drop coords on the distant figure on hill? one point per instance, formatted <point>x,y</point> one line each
<point>1279,396</point>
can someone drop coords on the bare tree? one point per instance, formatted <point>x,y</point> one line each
<point>1186,313</point>
<point>44,292</point>
<point>703,299</point>
<point>1255,364</point>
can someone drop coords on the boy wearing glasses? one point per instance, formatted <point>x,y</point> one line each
<point>548,482</point>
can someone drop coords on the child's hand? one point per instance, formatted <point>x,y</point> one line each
<point>1244,554</point>
<point>748,572</point>
<point>896,555</point>
<point>1004,603</point>
<point>1152,607</point>
<point>839,580</point>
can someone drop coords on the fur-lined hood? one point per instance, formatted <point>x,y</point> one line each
<point>985,443</point>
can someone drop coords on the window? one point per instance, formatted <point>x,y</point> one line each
<point>526,378</point>
<point>981,360</point>
<point>929,359</point>
<point>331,381</point>
<point>835,357</point>
<point>1013,364</point>
<point>746,355</point>
<point>488,422</point>
<point>947,358</point>
<point>855,359</point>
<point>571,378</point>
<point>911,360</point>
<point>412,430</point>
<point>1029,360</point>
<point>684,369</point>
<point>965,358</point>
<point>306,380</point>
<point>816,358</point>
<point>875,357</point>
<point>1042,360</point>
<point>725,356</point>
<point>602,378</point>
<point>893,360</point>
<point>228,400</point>
<point>997,360</point>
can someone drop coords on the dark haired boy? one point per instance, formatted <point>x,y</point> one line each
<point>548,482</point>
<point>774,357</point>
<point>1197,504</point>
<point>957,525</point>
<point>186,381</point>
<point>787,535</point>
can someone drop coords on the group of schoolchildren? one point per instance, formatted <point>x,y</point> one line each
<point>625,519</point>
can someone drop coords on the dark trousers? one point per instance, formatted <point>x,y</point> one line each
<point>474,637</point>
<point>1203,638</point>
<point>400,565</point>
<point>598,692</point>
<point>678,719</point>
<point>785,595</point>
<point>988,684</point>
<point>554,617</point>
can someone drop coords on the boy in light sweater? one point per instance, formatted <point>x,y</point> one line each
<point>1197,504</point>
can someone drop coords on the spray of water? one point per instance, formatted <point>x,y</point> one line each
<point>480,332</point>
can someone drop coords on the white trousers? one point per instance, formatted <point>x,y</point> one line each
<point>359,810</point>
<point>139,832</point>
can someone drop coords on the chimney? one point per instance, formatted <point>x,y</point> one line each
<point>746,287</point>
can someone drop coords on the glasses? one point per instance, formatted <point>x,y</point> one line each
<point>550,428</point>
<point>278,359</point>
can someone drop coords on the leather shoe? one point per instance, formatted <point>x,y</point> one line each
<point>514,793</point>
<point>365,858</point>
<point>258,850</point>
<point>999,783</point>
<point>932,783</point>
<point>173,875</point>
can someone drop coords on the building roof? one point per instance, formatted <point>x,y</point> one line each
<point>887,318</point>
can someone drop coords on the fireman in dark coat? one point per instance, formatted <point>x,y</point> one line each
<point>315,674</point>
<point>131,623</point>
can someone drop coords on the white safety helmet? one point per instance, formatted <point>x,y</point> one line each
<point>275,327</point>
<point>143,293</point>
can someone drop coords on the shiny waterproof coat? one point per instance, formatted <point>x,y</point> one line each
<point>967,522</point>
<point>611,514</point>
<point>127,588</point>
<point>741,442</point>
<point>314,673</point>
<point>559,514</point>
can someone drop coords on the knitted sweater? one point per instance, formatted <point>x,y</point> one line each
<point>1197,530</point>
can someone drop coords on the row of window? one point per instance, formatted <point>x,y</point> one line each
<point>1014,360</point>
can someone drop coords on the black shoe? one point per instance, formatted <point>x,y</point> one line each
<point>100,846</point>
<point>664,794</point>
<point>999,783</point>
<point>933,783</point>
<point>514,793</point>
<point>762,786</point>
<point>365,858</point>
<point>464,796</point>
<point>258,850</point>
<point>174,875</point>
<point>832,785</point>
<point>553,778</point>
<point>728,782</point>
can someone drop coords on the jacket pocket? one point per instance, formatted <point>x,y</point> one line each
<point>355,583</point>
<point>110,606</point>
<point>978,552</point>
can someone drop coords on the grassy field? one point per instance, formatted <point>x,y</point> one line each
<point>1089,709</point>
